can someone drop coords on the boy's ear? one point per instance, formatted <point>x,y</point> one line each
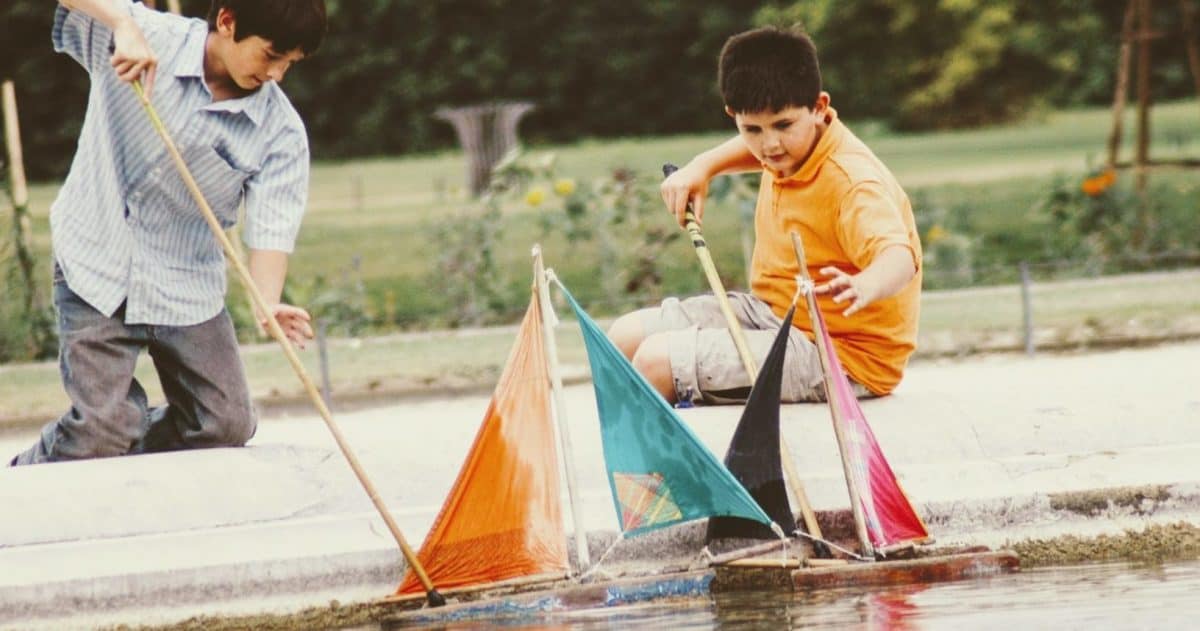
<point>822,102</point>
<point>729,111</point>
<point>226,22</point>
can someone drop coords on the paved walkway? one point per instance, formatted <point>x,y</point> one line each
<point>982,446</point>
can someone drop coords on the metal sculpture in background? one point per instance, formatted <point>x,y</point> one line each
<point>486,132</point>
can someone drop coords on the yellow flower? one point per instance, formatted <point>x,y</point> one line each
<point>564,186</point>
<point>936,233</point>
<point>1097,184</point>
<point>535,196</point>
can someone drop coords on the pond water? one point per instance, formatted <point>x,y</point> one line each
<point>1093,597</point>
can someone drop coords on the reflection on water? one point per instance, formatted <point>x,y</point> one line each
<point>1096,598</point>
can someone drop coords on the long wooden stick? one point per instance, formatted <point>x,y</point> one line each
<point>560,408</point>
<point>19,192</point>
<point>12,139</point>
<point>432,596</point>
<point>794,484</point>
<point>856,509</point>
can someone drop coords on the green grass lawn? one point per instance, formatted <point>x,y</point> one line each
<point>1077,314</point>
<point>379,214</point>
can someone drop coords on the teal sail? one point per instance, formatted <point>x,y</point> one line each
<point>660,474</point>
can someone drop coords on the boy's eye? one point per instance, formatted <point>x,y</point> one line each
<point>782,125</point>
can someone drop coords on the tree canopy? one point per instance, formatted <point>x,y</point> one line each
<point>632,68</point>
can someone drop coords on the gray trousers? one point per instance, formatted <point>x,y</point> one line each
<point>208,401</point>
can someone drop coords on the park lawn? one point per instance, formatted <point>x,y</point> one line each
<point>1059,140</point>
<point>1127,309</point>
<point>371,220</point>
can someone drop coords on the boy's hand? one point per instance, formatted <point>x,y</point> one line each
<point>891,270</point>
<point>295,322</point>
<point>132,57</point>
<point>846,287</point>
<point>687,185</point>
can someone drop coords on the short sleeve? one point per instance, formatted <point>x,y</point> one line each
<point>277,195</point>
<point>869,221</point>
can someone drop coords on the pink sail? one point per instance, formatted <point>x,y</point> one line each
<point>889,516</point>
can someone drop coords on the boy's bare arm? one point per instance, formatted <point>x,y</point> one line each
<point>132,57</point>
<point>690,184</point>
<point>884,277</point>
<point>268,268</point>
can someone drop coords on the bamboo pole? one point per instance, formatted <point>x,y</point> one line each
<point>19,191</point>
<point>794,484</point>
<point>559,409</point>
<point>433,597</point>
<point>12,139</point>
<point>1121,88</point>
<point>860,524</point>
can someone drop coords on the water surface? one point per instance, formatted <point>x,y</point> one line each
<point>1093,597</point>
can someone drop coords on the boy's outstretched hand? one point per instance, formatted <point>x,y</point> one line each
<point>883,278</point>
<point>132,57</point>
<point>295,322</point>
<point>851,287</point>
<point>687,185</point>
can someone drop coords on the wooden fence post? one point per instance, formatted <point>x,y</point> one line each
<point>1027,307</point>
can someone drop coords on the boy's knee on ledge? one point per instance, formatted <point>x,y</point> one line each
<point>653,361</point>
<point>627,333</point>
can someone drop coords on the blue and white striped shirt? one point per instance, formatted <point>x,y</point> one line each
<point>124,226</point>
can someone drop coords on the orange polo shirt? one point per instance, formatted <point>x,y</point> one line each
<point>847,207</point>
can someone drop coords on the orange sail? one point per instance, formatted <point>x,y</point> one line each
<point>502,518</point>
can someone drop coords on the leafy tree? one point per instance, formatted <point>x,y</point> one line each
<point>618,67</point>
<point>921,64</point>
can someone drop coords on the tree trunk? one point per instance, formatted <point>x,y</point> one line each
<point>1122,84</point>
<point>1188,11</point>
<point>1143,77</point>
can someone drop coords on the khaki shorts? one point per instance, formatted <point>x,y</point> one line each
<point>705,364</point>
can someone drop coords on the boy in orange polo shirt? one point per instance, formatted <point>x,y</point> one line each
<point>820,181</point>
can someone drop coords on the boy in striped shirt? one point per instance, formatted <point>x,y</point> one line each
<point>135,265</point>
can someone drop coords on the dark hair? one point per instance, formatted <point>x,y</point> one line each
<point>287,24</point>
<point>769,69</point>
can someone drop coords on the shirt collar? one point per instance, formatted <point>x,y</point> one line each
<point>253,105</point>
<point>190,59</point>
<point>190,64</point>
<point>829,141</point>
